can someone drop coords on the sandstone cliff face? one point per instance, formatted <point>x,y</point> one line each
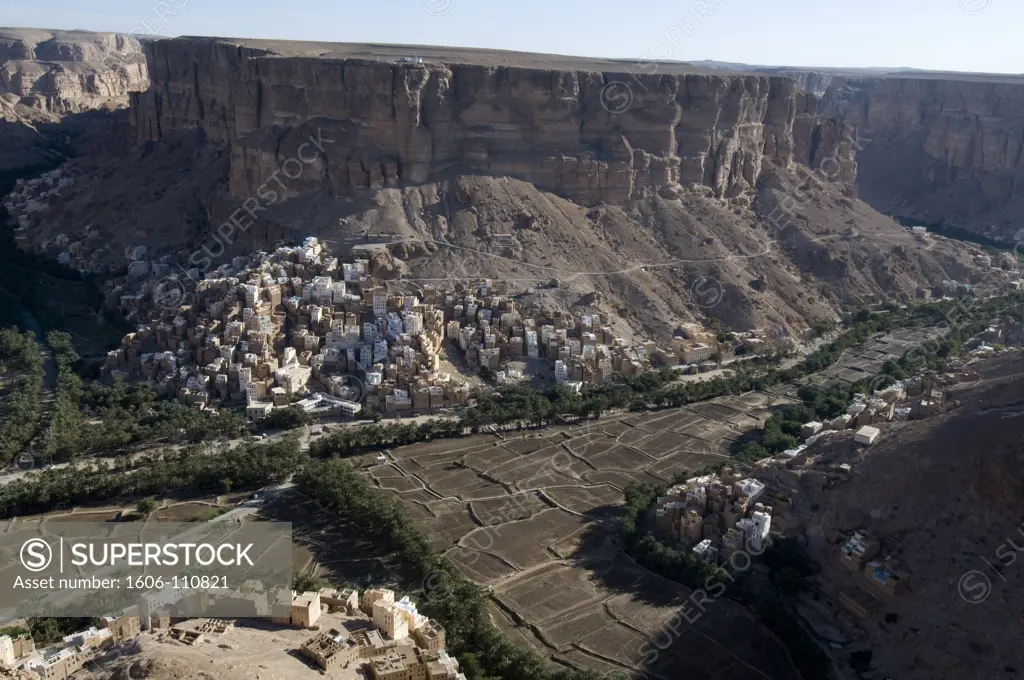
<point>61,72</point>
<point>395,124</point>
<point>947,150</point>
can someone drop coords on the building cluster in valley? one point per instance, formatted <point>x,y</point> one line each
<point>298,326</point>
<point>386,636</point>
<point>29,200</point>
<point>716,516</point>
<point>737,508</point>
<point>922,396</point>
<point>874,577</point>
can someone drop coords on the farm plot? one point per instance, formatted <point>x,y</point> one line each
<point>424,454</point>
<point>552,592</point>
<point>399,484</point>
<point>450,522</point>
<point>525,544</point>
<point>565,630</point>
<point>482,459</point>
<point>590,444</point>
<point>657,422</point>
<point>715,411</point>
<point>532,443</point>
<point>459,482</point>
<point>617,642</point>
<point>661,445</point>
<point>521,635</point>
<point>441,457</point>
<point>547,467</point>
<point>612,427</point>
<point>754,400</point>
<point>182,512</point>
<point>671,465</point>
<point>523,517</point>
<point>508,509</point>
<point>634,437</point>
<point>585,500</point>
<point>620,479</point>
<point>577,658</point>
<point>619,458</point>
<point>476,564</point>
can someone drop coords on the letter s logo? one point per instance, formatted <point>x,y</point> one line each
<point>36,554</point>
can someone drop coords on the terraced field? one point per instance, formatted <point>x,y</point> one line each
<point>528,516</point>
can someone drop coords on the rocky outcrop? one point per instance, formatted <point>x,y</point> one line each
<point>590,136</point>
<point>61,72</point>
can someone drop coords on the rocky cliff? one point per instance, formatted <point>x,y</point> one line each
<point>61,72</point>
<point>586,134</point>
<point>945,148</point>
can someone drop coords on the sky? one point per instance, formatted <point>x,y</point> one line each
<point>961,35</point>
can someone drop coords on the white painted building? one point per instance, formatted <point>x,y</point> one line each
<point>867,435</point>
<point>561,372</point>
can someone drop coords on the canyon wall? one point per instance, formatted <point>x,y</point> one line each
<point>944,148</point>
<point>62,72</point>
<point>562,130</point>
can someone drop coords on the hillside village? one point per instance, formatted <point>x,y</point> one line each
<point>299,326</point>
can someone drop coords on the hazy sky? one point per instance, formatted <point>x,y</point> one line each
<point>965,35</point>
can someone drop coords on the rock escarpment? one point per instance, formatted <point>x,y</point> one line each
<point>396,123</point>
<point>62,72</point>
<point>945,148</point>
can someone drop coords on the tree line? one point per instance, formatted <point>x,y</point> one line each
<point>186,472</point>
<point>21,403</point>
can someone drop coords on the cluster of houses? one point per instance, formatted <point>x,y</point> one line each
<point>405,646</point>
<point>299,326</point>
<point>716,516</point>
<point>20,658</point>
<point>29,200</point>
<point>877,577</point>
<point>922,396</point>
<point>402,644</point>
